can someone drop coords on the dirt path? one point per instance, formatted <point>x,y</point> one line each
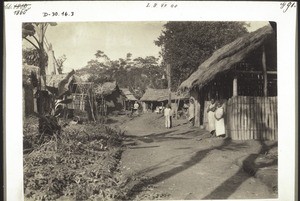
<point>185,163</point>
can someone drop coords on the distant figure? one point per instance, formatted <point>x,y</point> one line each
<point>135,107</point>
<point>192,112</point>
<point>211,116</point>
<point>220,123</point>
<point>168,116</point>
<point>185,109</point>
<point>157,110</point>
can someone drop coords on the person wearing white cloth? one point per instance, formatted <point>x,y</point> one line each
<point>219,123</point>
<point>211,116</point>
<point>168,116</point>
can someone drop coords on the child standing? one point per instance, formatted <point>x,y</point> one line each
<point>168,116</point>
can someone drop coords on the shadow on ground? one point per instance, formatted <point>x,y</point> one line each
<point>229,186</point>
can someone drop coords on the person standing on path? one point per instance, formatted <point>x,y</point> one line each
<point>192,112</point>
<point>220,123</point>
<point>211,116</point>
<point>135,107</point>
<point>168,116</point>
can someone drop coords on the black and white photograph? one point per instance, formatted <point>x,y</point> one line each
<point>156,109</point>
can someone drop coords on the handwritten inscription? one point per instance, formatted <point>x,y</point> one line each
<point>58,14</point>
<point>18,8</point>
<point>161,5</point>
<point>286,5</point>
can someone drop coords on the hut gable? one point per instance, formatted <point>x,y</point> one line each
<point>226,57</point>
<point>54,80</point>
<point>128,95</point>
<point>106,88</point>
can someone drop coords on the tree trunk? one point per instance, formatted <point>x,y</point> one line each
<point>264,67</point>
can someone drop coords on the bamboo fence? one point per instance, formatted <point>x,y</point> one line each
<point>249,117</point>
<point>252,118</point>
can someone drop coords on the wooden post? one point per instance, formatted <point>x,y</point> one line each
<point>264,66</point>
<point>169,82</point>
<point>195,96</point>
<point>235,87</point>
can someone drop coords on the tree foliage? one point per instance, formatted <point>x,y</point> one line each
<point>60,63</point>
<point>185,45</point>
<point>34,33</point>
<point>136,74</point>
<point>31,56</point>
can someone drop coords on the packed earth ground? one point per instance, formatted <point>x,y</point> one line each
<point>137,158</point>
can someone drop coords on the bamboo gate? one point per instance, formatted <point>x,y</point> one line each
<point>249,117</point>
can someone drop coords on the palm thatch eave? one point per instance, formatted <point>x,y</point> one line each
<point>224,58</point>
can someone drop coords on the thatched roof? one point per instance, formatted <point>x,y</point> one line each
<point>26,73</point>
<point>128,94</point>
<point>54,80</point>
<point>106,88</point>
<point>226,57</point>
<point>160,95</point>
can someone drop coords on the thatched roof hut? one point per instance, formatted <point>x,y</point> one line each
<point>128,94</point>
<point>226,57</point>
<point>54,80</point>
<point>106,88</point>
<point>160,95</point>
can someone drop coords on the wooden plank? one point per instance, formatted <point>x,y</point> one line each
<point>256,114</point>
<point>259,118</point>
<point>244,111</point>
<point>237,120</point>
<point>243,116</point>
<point>267,123</point>
<point>231,118</point>
<point>274,118</point>
<point>233,121</point>
<point>265,116</point>
<point>261,106</point>
<point>248,118</point>
<point>251,118</point>
<point>227,114</point>
<point>235,87</point>
<point>271,117</point>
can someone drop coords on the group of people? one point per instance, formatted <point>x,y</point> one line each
<point>215,115</point>
<point>168,113</point>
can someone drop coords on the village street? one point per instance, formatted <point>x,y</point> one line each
<point>185,163</point>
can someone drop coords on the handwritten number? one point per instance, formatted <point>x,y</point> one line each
<point>285,6</point>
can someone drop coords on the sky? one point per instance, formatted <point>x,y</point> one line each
<point>79,41</point>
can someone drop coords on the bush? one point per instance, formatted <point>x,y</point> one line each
<point>78,164</point>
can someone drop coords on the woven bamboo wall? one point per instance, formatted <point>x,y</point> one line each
<point>252,118</point>
<point>249,117</point>
<point>78,102</point>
